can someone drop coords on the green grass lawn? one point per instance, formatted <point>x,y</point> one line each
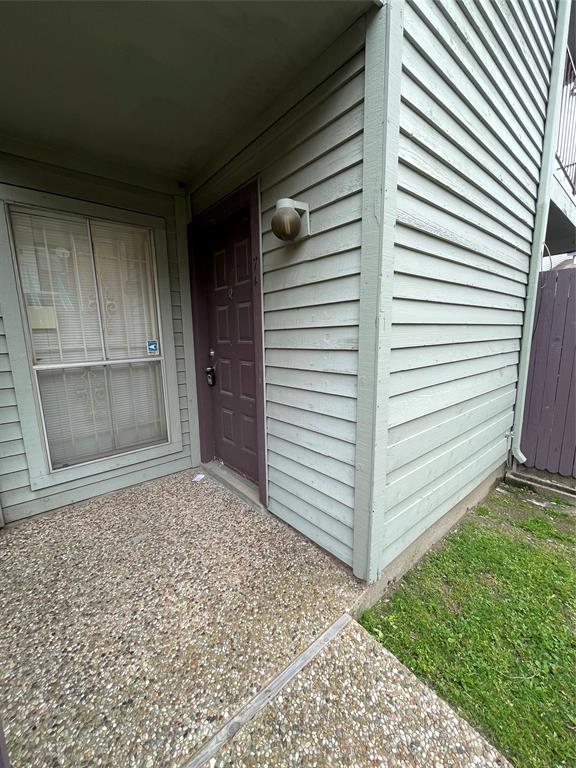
<point>488,620</point>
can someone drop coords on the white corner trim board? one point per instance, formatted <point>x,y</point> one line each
<point>380,172</point>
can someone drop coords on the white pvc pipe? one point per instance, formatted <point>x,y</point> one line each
<point>541,218</point>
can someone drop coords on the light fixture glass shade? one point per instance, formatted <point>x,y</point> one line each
<point>286,223</point>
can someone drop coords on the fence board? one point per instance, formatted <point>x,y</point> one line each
<point>567,465</point>
<point>549,431</point>
<point>565,414</point>
<point>540,335</point>
<point>559,313</point>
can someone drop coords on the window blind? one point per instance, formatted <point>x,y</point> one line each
<point>57,275</point>
<point>127,288</point>
<point>90,299</point>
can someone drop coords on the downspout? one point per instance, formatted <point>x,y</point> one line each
<point>541,218</point>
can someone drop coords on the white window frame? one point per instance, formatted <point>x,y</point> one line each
<point>14,313</point>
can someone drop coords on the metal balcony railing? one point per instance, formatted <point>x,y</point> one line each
<point>566,148</point>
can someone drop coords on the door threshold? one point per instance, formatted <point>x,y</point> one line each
<point>246,489</point>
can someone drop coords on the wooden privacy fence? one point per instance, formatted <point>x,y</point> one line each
<point>549,431</point>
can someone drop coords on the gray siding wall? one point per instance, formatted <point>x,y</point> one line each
<point>12,457</point>
<point>311,309</point>
<point>311,305</point>
<point>474,90</point>
<point>17,498</point>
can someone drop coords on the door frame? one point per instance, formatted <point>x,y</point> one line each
<point>247,195</point>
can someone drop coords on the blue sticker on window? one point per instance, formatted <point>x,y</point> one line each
<point>152,345</point>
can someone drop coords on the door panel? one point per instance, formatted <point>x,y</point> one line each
<point>231,343</point>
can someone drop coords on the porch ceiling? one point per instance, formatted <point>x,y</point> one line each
<point>560,233</point>
<point>561,228</point>
<point>157,86</point>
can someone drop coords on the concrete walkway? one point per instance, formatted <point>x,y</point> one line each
<point>136,625</point>
<point>355,705</point>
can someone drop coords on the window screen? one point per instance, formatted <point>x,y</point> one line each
<point>90,299</point>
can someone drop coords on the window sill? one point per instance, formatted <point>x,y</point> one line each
<point>47,479</point>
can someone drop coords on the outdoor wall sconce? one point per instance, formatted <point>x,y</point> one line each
<point>288,219</point>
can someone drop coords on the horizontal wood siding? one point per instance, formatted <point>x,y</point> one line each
<point>17,498</point>
<point>474,91</point>
<point>181,334</point>
<point>310,291</point>
<point>311,309</point>
<point>12,458</point>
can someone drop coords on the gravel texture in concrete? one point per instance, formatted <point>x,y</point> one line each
<point>356,706</point>
<point>134,624</point>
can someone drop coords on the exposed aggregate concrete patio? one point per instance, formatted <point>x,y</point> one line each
<point>134,625</point>
<point>356,705</point>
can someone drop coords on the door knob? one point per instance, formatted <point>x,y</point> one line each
<point>210,376</point>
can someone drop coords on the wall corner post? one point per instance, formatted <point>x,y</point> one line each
<point>383,65</point>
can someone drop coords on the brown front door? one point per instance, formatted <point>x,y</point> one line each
<point>225,274</point>
<point>227,313</point>
<point>231,344</point>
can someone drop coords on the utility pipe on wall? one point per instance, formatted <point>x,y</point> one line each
<point>541,218</point>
